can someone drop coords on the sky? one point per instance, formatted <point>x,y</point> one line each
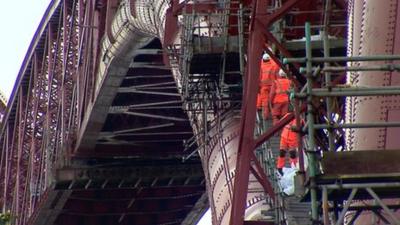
<point>206,220</point>
<point>18,22</point>
<point>18,28</point>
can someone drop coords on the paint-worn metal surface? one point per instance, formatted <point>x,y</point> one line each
<point>219,158</point>
<point>374,29</point>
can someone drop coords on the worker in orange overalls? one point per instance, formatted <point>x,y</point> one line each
<point>288,143</point>
<point>279,97</point>
<point>268,74</point>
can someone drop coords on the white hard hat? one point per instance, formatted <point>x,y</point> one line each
<point>282,73</point>
<point>265,57</point>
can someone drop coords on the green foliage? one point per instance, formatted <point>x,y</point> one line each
<point>5,218</point>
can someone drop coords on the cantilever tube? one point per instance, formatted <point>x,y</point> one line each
<point>133,26</point>
<point>138,21</point>
<point>374,29</point>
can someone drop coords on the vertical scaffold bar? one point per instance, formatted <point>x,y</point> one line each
<point>325,205</point>
<point>241,39</point>
<point>328,74</point>
<point>310,120</point>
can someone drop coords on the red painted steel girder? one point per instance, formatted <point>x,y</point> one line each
<point>246,142</point>
<point>40,124</point>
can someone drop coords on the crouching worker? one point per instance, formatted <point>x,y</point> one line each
<point>288,143</point>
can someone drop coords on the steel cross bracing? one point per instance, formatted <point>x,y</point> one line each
<point>255,41</point>
<point>258,36</point>
<point>40,124</point>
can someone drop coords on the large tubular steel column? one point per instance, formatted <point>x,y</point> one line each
<point>374,29</point>
<point>133,25</point>
<point>379,35</point>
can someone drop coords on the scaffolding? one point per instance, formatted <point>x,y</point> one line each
<point>211,59</point>
<point>335,188</point>
<point>266,158</point>
<point>265,154</point>
<point>210,62</point>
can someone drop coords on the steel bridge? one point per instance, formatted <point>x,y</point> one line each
<point>144,112</point>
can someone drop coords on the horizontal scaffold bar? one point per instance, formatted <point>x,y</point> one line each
<point>361,185</point>
<point>352,91</point>
<point>343,59</point>
<point>386,67</point>
<point>358,125</point>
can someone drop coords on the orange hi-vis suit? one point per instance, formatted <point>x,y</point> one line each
<point>279,98</point>
<point>268,74</point>
<point>289,142</point>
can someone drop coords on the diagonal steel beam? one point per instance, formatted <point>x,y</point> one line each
<point>161,84</point>
<point>383,205</point>
<point>122,109</point>
<point>258,23</point>
<point>156,116</point>
<point>114,142</point>
<point>346,206</point>
<point>268,20</point>
<point>133,90</point>
<point>260,175</point>
<point>143,128</point>
<point>111,134</point>
<point>270,37</point>
<point>379,214</point>
<point>248,117</point>
<point>273,130</point>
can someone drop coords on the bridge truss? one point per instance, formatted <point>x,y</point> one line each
<point>49,176</point>
<point>94,132</point>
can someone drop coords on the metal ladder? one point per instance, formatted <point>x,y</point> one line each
<point>287,210</point>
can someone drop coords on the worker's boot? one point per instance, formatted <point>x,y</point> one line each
<point>281,161</point>
<point>293,158</point>
<point>280,171</point>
